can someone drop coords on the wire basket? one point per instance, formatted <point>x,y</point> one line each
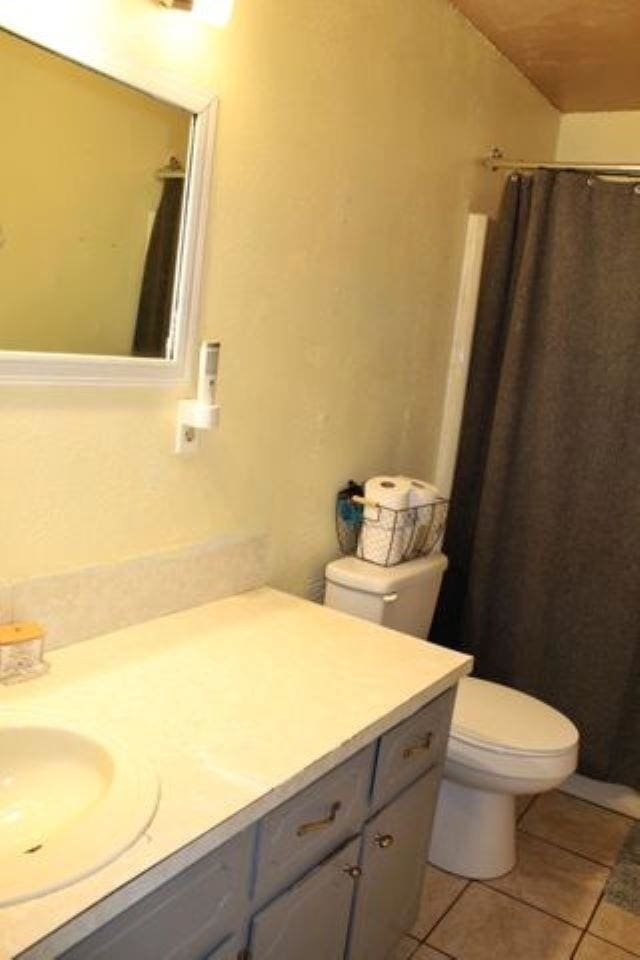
<point>386,536</point>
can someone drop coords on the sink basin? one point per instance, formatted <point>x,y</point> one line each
<point>70,802</point>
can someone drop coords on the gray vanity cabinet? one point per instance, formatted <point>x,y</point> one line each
<point>184,919</point>
<point>310,920</point>
<point>334,872</point>
<point>394,854</point>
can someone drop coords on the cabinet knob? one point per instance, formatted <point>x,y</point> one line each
<point>354,872</point>
<point>384,840</point>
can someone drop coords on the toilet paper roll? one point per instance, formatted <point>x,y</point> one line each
<point>422,496</point>
<point>383,537</point>
<point>421,492</point>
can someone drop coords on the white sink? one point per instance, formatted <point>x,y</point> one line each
<point>70,802</point>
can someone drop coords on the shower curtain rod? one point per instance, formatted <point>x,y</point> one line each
<point>496,161</point>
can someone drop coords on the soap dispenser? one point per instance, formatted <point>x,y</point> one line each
<point>21,652</point>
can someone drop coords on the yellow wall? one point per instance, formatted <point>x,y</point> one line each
<point>346,163</point>
<point>596,137</point>
<point>77,194</point>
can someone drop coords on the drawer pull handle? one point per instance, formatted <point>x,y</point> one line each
<point>354,872</point>
<point>384,840</point>
<point>320,824</point>
<point>425,744</point>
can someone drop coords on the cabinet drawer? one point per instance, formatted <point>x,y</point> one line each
<point>304,829</point>
<point>394,857</point>
<point>310,921</point>
<point>186,918</point>
<point>412,747</point>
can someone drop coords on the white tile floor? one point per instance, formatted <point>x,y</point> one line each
<point>550,907</point>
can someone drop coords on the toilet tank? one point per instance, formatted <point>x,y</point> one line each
<point>402,597</point>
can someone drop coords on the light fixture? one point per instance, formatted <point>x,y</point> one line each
<point>216,12</point>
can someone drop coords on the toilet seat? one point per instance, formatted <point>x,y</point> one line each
<point>506,733</point>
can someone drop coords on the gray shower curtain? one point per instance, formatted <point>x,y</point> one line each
<point>544,531</point>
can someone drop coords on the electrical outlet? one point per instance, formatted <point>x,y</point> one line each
<point>186,439</point>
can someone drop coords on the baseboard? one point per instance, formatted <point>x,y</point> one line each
<point>613,796</point>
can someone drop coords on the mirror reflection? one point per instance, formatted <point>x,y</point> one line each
<point>91,200</point>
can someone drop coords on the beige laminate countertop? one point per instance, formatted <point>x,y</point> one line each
<point>238,704</point>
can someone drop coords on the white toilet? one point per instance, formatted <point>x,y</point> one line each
<point>503,743</point>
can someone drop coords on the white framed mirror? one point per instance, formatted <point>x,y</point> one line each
<point>103,198</point>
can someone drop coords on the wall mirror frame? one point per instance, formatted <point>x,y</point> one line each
<point>64,368</point>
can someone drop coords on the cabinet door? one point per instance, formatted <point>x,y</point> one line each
<point>311,919</point>
<point>394,853</point>
<point>185,918</point>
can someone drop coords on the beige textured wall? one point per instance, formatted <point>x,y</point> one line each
<point>77,195</point>
<point>346,164</point>
<point>594,137</point>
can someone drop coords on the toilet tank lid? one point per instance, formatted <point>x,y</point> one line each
<point>497,717</point>
<point>368,577</point>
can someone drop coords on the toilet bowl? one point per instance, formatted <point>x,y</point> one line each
<point>503,743</point>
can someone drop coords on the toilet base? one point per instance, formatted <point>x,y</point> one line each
<point>474,832</point>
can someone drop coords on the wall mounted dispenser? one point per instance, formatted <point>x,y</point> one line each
<point>202,413</point>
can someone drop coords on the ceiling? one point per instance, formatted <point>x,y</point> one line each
<point>582,54</point>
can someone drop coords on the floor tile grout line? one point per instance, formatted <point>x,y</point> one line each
<point>586,929</point>
<point>420,945</point>
<point>600,806</point>
<point>524,812</point>
<point>447,956</point>
<point>457,897</point>
<point>611,943</point>
<point>575,853</point>
<point>532,906</point>
<point>574,952</point>
<point>552,843</point>
<point>527,903</point>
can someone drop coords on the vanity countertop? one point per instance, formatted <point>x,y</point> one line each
<point>239,704</point>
